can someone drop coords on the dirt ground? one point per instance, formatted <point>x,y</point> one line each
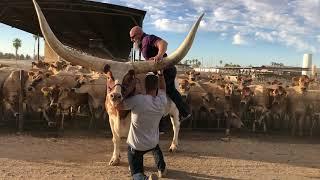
<point>83,155</point>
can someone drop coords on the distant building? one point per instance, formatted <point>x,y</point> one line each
<point>307,63</point>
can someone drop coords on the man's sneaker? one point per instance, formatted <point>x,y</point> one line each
<point>185,118</point>
<point>162,173</point>
<point>153,177</point>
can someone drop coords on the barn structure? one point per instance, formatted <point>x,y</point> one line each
<point>96,28</point>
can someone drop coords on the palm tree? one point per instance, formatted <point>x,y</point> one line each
<point>34,48</point>
<point>220,62</point>
<point>16,44</point>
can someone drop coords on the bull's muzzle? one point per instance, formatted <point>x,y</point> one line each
<point>115,97</point>
<point>243,102</point>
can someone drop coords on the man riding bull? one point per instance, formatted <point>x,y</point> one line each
<point>154,48</point>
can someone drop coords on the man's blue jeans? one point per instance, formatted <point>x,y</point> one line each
<point>135,159</point>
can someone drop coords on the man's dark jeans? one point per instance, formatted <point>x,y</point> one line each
<point>169,76</point>
<point>135,159</point>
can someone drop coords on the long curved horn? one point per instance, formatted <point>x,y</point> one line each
<point>74,57</point>
<point>174,58</point>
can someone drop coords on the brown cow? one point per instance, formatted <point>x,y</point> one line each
<point>193,75</point>
<point>301,100</point>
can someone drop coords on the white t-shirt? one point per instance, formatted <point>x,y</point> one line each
<point>146,113</point>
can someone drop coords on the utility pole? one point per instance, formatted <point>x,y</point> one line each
<point>38,48</point>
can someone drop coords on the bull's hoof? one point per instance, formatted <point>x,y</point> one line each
<point>254,128</point>
<point>114,161</point>
<point>225,139</point>
<point>173,148</point>
<point>264,128</point>
<point>227,133</point>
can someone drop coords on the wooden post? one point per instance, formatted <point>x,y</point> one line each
<point>20,116</point>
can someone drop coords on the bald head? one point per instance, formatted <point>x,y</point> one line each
<point>136,33</point>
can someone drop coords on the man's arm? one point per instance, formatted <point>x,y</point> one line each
<point>162,48</point>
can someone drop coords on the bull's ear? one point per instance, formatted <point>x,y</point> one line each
<point>31,73</point>
<point>269,83</point>
<point>187,72</point>
<point>222,86</point>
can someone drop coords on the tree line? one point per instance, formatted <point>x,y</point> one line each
<point>17,43</point>
<point>14,56</point>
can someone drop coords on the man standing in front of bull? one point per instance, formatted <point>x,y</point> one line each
<point>154,48</point>
<point>146,113</point>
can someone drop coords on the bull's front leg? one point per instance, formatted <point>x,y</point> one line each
<point>176,128</point>
<point>116,139</point>
<point>301,123</point>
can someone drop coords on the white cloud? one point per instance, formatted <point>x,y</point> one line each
<point>170,25</point>
<point>262,20</point>
<point>223,34</point>
<point>265,36</point>
<point>238,39</point>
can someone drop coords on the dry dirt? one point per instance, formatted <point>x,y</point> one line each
<point>83,155</point>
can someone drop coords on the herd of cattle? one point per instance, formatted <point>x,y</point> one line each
<point>59,90</point>
<point>55,90</point>
<point>242,101</point>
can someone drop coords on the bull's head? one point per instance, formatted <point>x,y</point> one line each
<point>278,95</point>
<point>192,75</point>
<point>302,82</point>
<point>228,89</point>
<point>115,69</point>
<point>246,95</point>
<point>184,86</point>
<point>209,102</point>
<point>53,93</point>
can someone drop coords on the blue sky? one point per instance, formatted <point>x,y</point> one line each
<point>239,31</point>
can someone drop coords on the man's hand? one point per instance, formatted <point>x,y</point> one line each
<point>156,59</point>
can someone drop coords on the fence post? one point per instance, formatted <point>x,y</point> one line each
<point>20,116</point>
